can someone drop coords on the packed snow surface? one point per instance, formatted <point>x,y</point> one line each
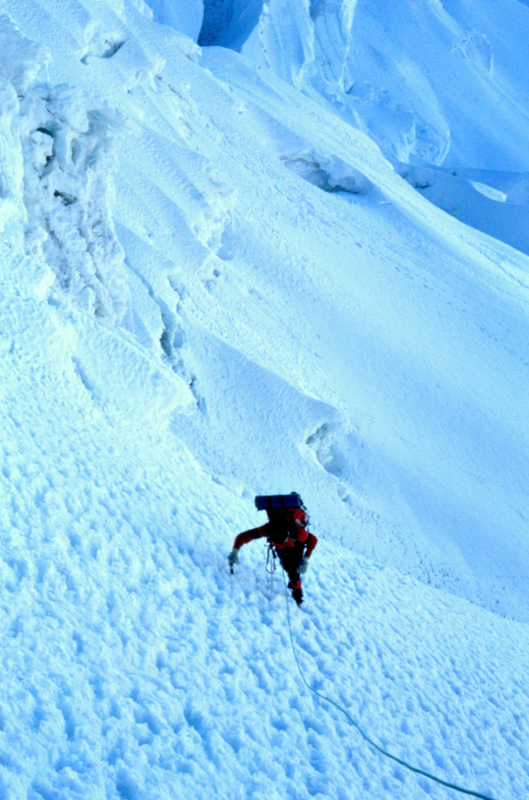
<point>294,257</point>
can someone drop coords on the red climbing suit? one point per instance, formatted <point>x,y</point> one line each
<point>286,533</point>
<point>267,531</point>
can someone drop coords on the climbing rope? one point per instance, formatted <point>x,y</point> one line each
<point>361,732</point>
<point>270,560</point>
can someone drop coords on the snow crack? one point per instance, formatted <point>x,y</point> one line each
<point>55,168</point>
<point>328,173</point>
<point>68,198</point>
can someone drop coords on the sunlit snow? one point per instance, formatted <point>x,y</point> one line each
<point>294,258</point>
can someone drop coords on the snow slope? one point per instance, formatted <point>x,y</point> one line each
<point>213,285</point>
<point>432,83</point>
<point>436,82</point>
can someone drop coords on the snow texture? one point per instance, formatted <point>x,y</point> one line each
<point>260,248</point>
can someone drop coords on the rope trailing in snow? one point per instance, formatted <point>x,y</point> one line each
<point>361,732</point>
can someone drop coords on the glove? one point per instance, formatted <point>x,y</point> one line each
<point>303,564</point>
<point>233,557</point>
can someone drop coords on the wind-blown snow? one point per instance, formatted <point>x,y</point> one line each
<point>215,284</point>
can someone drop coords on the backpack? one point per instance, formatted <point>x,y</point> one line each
<point>286,512</point>
<point>267,502</point>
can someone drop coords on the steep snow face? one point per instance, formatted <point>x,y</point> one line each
<point>333,37</point>
<point>68,196</point>
<point>212,286</point>
<point>434,81</point>
<point>352,335</point>
<point>185,17</point>
<point>431,82</point>
<point>306,42</point>
<point>228,23</point>
<point>56,171</point>
<point>283,40</point>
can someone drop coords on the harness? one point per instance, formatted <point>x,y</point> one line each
<point>288,519</point>
<point>281,539</point>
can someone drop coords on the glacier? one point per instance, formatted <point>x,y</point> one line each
<point>248,249</point>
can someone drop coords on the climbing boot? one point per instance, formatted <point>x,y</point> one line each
<point>297,594</point>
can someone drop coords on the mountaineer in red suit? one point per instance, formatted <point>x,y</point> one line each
<point>286,534</point>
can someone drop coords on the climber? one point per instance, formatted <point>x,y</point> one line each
<point>287,536</point>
